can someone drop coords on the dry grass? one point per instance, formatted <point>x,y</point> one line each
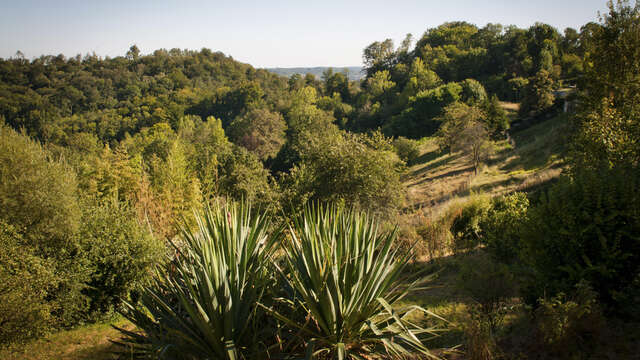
<point>529,159</point>
<point>510,106</point>
<point>91,342</point>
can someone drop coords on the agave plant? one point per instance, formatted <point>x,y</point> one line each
<point>348,279</point>
<point>204,305</point>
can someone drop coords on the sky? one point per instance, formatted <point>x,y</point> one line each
<point>275,33</point>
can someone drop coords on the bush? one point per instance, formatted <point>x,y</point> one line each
<point>121,253</point>
<point>585,228</point>
<point>489,284</point>
<point>38,197</point>
<point>479,342</point>
<point>568,325</point>
<point>407,150</point>
<point>466,224</point>
<point>25,281</point>
<point>501,227</point>
<point>437,236</point>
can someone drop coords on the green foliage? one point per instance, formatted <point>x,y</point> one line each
<point>25,281</point>
<point>37,194</point>
<point>501,227</point>
<point>38,197</point>
<point>609,112</point>
<point>204,304</point>
<point>418,119</point>
<point>613,45</point>
<point>259,131</point>
<point>305,119</point>
<point>538,94</point>
<point>489,284</point>
<point>420,78</point>
<point>54,97</point>
<point>569,324</point>
<point>340,110</point>
<point>244,177</point>
<point>109,174</point>
<point>585,229</point>
<point>350,168</point>
<point>496,119</point>
<point>347,278</point>
<point>121,252</point>
<point>378,56</point>
<point>209,150</point>
<point>473,92</point>
<point>408,150</point>
<point>464,129</point>
<point>517,88</point>
<point>465,227</point>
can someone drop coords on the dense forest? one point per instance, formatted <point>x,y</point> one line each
<point>116,171</point>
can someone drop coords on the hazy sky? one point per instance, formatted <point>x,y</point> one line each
<point>262,33</point>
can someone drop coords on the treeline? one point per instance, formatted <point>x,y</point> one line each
<point>197,124</point>
<point>407,88</point>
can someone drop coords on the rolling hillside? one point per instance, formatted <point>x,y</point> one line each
<point>355,72</point>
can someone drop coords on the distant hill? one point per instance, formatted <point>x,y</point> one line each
<point>355,72</point>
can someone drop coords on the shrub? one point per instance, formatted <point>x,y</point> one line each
<point>25,281</point>
<point>568,325</point>
<point>585,228</point>
<point>38,197</point>
<point>204,305</point>
<point>501,227</point>
<point>407,150</point>
<point>489,285</point>
<point>466,224</point>
<point>121,253</point>
<point>437,236</point>
<point>479,342</point>
<point>347,279</point>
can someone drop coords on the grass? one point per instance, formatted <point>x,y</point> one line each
<point>530,158</point>
<point>89,342</point>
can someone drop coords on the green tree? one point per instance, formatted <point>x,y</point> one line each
<point>473,92</point>
<point>496,118</point>
<point>133,53</point>
<point>464,129</point>
<point>38,197</point>
<point>607,120</point>
<point>583,229</point>
<point>357,169</point>
<point>378,56</point>
<point>538,94</point>
<point>259,131</point>
<point>121,251</point>
<point>25,282</point>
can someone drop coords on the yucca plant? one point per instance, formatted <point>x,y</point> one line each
<point>347,279</point>
<point>204,305</point>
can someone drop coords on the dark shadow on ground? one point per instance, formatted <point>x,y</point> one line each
<point>445,159</point>
<point>427,157</point>
<point>447,174</point>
